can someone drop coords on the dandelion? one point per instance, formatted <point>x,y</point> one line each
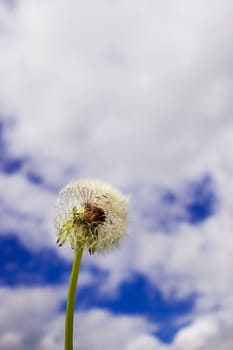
<point>89,215</point>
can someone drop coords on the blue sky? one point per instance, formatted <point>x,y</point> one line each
<point>137,94</point>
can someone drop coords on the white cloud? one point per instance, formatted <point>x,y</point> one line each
<point>100,329</point>
<point>145,342</point>
<point>27,210</point>
<point>196,336</point>
<point>30,319</point>
<point>25,314</point>
<point>76,86</point>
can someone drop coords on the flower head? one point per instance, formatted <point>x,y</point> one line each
<point>91,215</point>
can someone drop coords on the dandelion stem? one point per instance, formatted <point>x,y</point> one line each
<point>71,300</point>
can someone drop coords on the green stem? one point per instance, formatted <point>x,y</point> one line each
<point>71,300</point>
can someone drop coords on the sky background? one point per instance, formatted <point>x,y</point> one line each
<point>138,94</point>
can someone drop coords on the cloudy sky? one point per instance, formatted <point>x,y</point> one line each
<point>138,94</point>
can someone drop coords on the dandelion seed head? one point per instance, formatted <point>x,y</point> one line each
<point>90,215</point>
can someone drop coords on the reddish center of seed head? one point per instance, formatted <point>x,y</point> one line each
<point>93,215</point>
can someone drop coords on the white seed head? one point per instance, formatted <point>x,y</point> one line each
<point>90,215</point>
